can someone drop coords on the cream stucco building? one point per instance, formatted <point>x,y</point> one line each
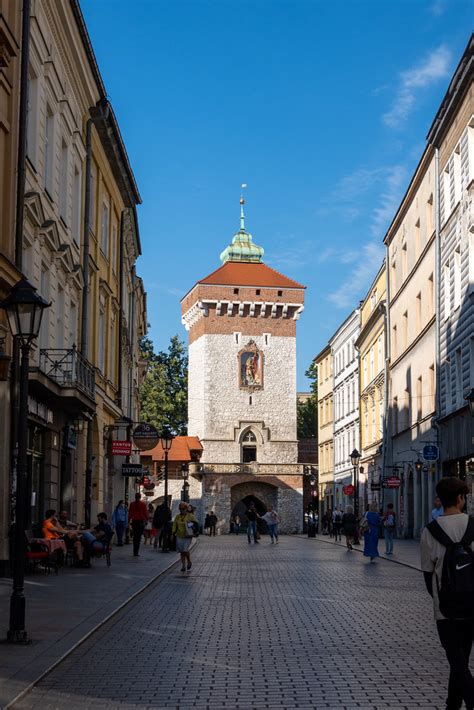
<point>324,363</point>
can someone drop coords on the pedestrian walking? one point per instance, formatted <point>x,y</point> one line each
<point>370,527</point>
<point>161,518</point>
<point>252,516</point>
<point>337,523</point>
<point>212,523</point>
<point>437,510</point>
<point>120,521</point>
<point>147,533</point>
<point>206,522</point>
<point>326,523</point>
<point>271,518</point>
<point>237,524</point>
<point>184,529</point>
<point>389,523</point>
<point>138,516</point>
<point>447,554</point>
<point>349,525</point>
<point>329,522</point>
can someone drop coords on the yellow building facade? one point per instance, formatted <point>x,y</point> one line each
<point>324,363</point>
<point>372,383</point>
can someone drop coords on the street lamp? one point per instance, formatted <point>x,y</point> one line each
<point>24,308</point>
<point>185,490</point>
<point>355,458</point>
<point>470,400</point>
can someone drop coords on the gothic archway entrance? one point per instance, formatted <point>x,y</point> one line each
<point>260,494</point>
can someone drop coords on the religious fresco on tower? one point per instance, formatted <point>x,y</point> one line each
<point>251,367</point>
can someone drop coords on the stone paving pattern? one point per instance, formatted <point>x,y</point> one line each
<point>294,625</point>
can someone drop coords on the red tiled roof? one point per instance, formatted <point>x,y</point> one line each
<point>234,273</point>
<point>180,449</point>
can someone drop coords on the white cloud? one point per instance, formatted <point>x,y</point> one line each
<point>438,7</point>
<point>393,181</point>
<point>433,68</point>
<point>370,259</point>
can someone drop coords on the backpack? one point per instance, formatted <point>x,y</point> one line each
<point>456,592</point>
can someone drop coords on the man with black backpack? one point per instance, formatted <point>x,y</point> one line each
<point>447,560</point>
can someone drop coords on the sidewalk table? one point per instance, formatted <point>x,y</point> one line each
<point>52,545</point>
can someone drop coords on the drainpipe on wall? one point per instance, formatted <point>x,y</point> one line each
<point>84,343</point>
<point>120,329</point>
<point>436,198</point>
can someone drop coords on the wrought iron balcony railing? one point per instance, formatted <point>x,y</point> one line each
<point>68,369</point>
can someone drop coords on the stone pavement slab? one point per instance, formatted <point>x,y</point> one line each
<point>406,552</point>
<point>62,609</point>
<point>294,625</point>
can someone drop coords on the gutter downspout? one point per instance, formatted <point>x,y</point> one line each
<point>121,293</point>
<point>436,197</point>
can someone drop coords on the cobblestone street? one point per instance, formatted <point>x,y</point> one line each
<point>298,625</point>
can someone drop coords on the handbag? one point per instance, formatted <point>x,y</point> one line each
<point>364,526</point>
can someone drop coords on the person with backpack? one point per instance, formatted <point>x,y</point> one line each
<point>447,561</point>
<point>389,525</point>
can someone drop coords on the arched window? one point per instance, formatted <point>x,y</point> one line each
<point>248,444</point>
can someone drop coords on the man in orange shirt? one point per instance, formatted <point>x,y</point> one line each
<point>138,516</point>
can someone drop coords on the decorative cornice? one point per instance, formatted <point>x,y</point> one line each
<point>256,309</point>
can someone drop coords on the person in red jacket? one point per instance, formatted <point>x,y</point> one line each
<point>138,516</point>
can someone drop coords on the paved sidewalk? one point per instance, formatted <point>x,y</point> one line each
<point>405,552</point>
<point>63,609</point>
<point>269,627</point>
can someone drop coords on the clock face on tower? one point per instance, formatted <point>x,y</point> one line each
<point>250,364</point>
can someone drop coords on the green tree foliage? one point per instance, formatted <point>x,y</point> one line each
<point>164,392</point>
<point>307,412</point>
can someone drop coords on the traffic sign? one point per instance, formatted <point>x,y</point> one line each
<point>121,448</point>
<point>145,437</point>
<point>392,482</point>
<point>430,452</point>
<point>132,469</point>
<point>348,490</point>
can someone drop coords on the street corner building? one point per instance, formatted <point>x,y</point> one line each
<point>72,231</point>
<point>241,321</point>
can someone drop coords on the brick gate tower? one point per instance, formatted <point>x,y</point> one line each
<point>241,321</point>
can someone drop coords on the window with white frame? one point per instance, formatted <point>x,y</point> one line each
<point>44,290</point>
<point>457,174</point>
<point>60,325</point>
<point>76,205</point>
<point>429,217</point>
<point>72,324</point>
<point>372,363</point>
<point>457,279</point>
<point>373,299</point>
<point>64,182</point>
<point>49,151</point>
<point>380,354</point>
<point>417,239</point>
<point>32,118</point>
<point>104,228</point>
<point>101,339</point>
<point>114,248</point>
<point>447,290</point>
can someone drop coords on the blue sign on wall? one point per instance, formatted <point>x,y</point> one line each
<point>430,452</point>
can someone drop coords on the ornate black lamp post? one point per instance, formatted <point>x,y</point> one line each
<point>24,308</point>
<point>185,489</point>
<point>355,458</point>
<point>166,440</point>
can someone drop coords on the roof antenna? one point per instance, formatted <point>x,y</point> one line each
<point>242,203</point>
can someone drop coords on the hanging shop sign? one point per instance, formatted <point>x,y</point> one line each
<point>145,437</point>
<point>430,452</point>
<point>348,490</point>
<point>121,448</point>
<point>392,482</point>
<point>132,469</point>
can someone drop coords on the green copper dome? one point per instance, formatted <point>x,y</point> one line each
<point>242,247</point>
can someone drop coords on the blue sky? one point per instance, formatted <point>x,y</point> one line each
<point>322,108</point>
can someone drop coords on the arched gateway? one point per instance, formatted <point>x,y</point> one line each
<point>241,321</point>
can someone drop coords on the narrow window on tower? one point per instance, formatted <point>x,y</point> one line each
<point>236,290</point>
<point>250,399</point>
<point>257,292</point>
<point>237,338</point>
<point>266,338</point>
<point>280,293</point>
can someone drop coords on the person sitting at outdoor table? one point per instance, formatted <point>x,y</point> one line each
<point>99,536</point>
<point>53,530</point>
<point>65,523</point>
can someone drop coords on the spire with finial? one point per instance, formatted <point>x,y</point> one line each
<point>242,248</point>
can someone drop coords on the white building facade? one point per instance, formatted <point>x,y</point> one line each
<point>346,405</point>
